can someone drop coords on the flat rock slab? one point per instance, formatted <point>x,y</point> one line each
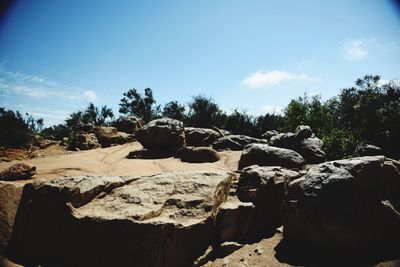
<point>160,220</point>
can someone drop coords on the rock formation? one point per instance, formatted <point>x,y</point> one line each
<point>161,220</point>
<point>200,136</point>
<point>129,124</point>
<point>18,171</point>
<point>265,155</point>
<point>236,142</point>
<point>162,133</point>
<point>197,154</point>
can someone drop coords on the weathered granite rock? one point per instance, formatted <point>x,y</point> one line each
<point>265,187</point>
<point>284,140</point>
<point>268,134</point>
<point>303,132</point>
<point>108,136</point>
<point>162,133</point>
<point>311,150</point>
<point>161,220</point>
<point>200,136</point>
<point>265,155</point>
<point>369,150</point>
<point>85,141</point>
<point>197,154</point>
<point>345,206</point>
<point>129,124</point>
<point>18,171</point>
<point>10,195</point>
<point>236,142</point>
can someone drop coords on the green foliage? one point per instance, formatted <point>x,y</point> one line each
<point>91,115</point>
<point>239,122</point>
<point>174,110</point>
<point>58,132</point>
<point>204,112</point>
<point>134,103</point>
<point>14,130</point>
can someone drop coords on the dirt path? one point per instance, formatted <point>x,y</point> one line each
<point>112,161</point>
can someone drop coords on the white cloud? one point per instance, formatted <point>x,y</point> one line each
<point>355,49</point>
<point>262,78</point>
<point>271,109</point>
<point>90,96</point>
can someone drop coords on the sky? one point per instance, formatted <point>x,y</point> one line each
<point>58,56</point>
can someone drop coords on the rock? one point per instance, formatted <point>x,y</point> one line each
<point>150,154</point>
<point>162,133</point>
<point>310,149</point>
<point>265,187</point>
<point>197,154</point>
<point>200,136</point>
<point>303,132</point>
<point>160,220</point>
<point>85,141</point>
<point>236,142</point>
<point>10,195</point>
<point>19,171</point>
<point>369,150</point>
<point>284,140</point>
<point>268,134</point>
<point>39,141</point>
<point>265,155</point>
<point>345,207</point>
<point>129,124</point>
<point>108,136</point>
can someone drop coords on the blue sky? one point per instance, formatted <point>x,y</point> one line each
<point>57,56</point>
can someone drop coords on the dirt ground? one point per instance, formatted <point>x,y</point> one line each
<point>54,162</point>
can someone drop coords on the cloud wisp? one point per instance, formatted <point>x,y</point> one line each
<point>355,50</point>
<point>261,78</point>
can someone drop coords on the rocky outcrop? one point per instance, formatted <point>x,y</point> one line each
<point>236,142</point>
<point>265,187</point>
<point>85,141</point>
<point>200,136</point>
<point>346,206</point>
<point>303,141</point>
<point>129,124</point>
<point>369,150</point>
<point>108,136</point>
<point>265,155</point>
<point>197,154</point>
<point>161,220</point>
<point>10,195</point>
<point>268,134</point>
<point>162,133</point>
<point>19,171</point>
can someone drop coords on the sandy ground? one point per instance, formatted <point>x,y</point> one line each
<point>112,161</point>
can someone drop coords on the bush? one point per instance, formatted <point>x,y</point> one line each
<point>14,130</point>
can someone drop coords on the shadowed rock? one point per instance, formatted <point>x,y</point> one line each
<point>129,124</point>
<point>236,142</point>
<point>265,155</point>
<point>197,154</point>
<point>200,136</point>
<point>19,171</point>
<point>161,220</point>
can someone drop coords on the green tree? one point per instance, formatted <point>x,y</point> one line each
<point>144,107</point>
<point>239,122</point>
<point>204,112</point>
<point>14,130</point>
<point>174,110</point>
<point>91,115</point>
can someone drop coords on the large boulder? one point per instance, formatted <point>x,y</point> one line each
<point>200,136</point>
<point>265,187</point>
<point>346,207</point>
<point>285,140</point>
<point>85,141</point>
<point>265,155</point>
<point>162,133</point>
<point>303,132</point>
<point>10,195</point>
<point>108,136</point>
<point>197,154</point>
<point>18,171</point>
<point>129,124</point>
<point>236,142</point>
<point>161,220</point>
<point>311,150</point>
<point>269,134</point>
<point>369,150</point>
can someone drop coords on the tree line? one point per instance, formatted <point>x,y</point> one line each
<point>368,112</point>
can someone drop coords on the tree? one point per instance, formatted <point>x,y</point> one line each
<point>14,130</point>
<point>91,115</point>
<point>174,110</point>
<point>204,112</point>
<point>239,122</point>
<point>134,103</point>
